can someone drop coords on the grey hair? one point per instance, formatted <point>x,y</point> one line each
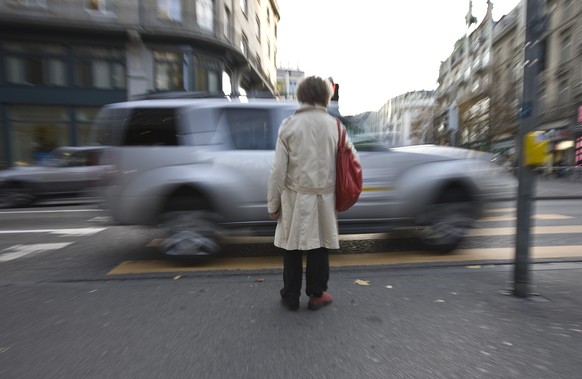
<point>314,90</point>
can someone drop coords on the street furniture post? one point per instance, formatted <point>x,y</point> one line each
<point>535,25</point>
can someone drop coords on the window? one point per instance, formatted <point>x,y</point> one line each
<point>39,65</point>
<point>258,28</point>
<point>108,127</point>
<point>30,3</point>
<point>563,92</point>
<point>244,45</point>
<point>268,48</point>
<point>244,6</point>
<point>205,12</point>
<point>566,48</point>
<point>227,24</point>
<point>250,129</point>
<point>169,71</point>
<point>100,6</point>
<point>151,127</point>
<point>170,10</point>
<point>102,68</point>
<point>207,74</point>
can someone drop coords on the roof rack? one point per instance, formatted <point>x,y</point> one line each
<point>180,95</point>
<point>202,95</point>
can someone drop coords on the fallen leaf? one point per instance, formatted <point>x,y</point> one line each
<point>476,266</point>
<point>388,286</point>
<point>177,277</point>
<point>362,282</point>
<point>4,349</point>
<point>259,280</point>
<point>439,301</point>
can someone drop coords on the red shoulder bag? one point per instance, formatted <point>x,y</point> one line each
<point>348,182</point>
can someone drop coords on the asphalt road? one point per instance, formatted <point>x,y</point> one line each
<point>64,315</point>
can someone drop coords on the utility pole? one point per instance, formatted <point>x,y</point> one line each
<point>535,27</point>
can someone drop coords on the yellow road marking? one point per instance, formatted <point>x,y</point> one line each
<point>565,229</point>
<point>537,217</point>
<point>495,210</point>
<point>347,260</point>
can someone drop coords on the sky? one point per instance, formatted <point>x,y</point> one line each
<point>374,49</point>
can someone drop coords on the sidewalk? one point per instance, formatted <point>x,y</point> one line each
<point>564,188</point>
<point>425,323</point>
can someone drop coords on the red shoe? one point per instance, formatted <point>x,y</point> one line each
<point>319,302</point>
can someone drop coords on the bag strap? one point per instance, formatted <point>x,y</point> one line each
<point>341,135</point>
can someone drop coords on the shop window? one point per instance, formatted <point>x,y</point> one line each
<point>205,14</point>
<point>36,131</point>
<point>84,118</point>
<point>169,71</point>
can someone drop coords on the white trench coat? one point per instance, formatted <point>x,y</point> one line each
<point>302,181</point>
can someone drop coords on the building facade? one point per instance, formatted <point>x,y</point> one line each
<point>405,119</point>
<point>287,81</point>
<point>560,82</point>
<point>61,60</point>
<point>464,81</point>
<point>487,83</point>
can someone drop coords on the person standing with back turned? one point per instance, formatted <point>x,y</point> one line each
<point>301,194</point>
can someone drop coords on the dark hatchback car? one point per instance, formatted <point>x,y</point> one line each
<point>65,172</point>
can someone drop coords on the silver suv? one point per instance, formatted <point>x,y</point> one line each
<point>199,169</point>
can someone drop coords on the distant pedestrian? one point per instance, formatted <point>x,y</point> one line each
<point>301,194</point>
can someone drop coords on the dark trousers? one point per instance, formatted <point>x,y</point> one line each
<point>316,273</point>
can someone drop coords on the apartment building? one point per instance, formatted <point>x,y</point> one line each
<point>61,60</point>
<point>507,70</point>
<point>488,86</point>
<point>463,88</point>
<point>560,83</point>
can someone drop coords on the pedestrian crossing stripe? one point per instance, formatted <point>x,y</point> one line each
<point>345,260</point>
<point>535,217</point>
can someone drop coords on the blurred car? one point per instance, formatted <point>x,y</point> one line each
<point>65,172</point>
<point>199,168</point>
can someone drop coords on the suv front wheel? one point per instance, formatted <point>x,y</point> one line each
<point>189,231</point>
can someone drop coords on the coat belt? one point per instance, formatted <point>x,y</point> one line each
<point>310,190</point>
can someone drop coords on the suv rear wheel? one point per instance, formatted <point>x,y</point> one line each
<point>445,223</point>
<point>16,195</point>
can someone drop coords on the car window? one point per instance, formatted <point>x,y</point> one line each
<point>151,127</point>
<point>108,126</point>
<point>250,129</point>
<point>200,127</point>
